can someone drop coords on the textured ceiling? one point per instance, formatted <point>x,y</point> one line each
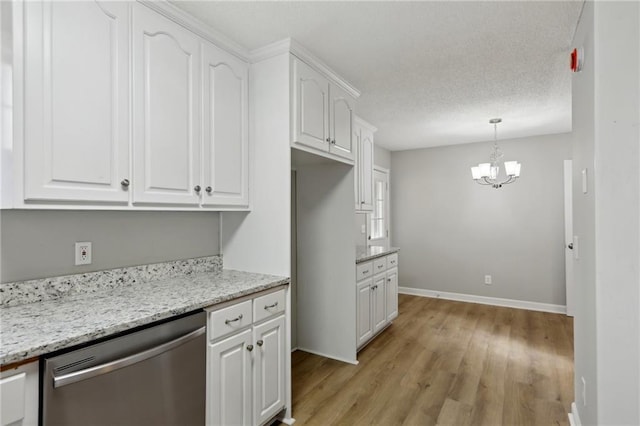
<point>430,73</point>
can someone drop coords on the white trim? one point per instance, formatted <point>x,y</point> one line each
<point>198,27</point>
<point>348,361</point>
<point>574,417</point>
<point>289,45</point>
<point>484,300</point>
<point>363,123</point>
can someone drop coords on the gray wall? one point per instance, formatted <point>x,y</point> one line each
<point>585,342</point>
<point>39,243</point>
<point>606,139</point>
<point>382,157</point>
<point>453,231</point>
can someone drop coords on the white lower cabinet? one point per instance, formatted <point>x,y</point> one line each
<point>19,395</point>
<point>364,324</point>
<point>246,361</point>
<point>376,296</point>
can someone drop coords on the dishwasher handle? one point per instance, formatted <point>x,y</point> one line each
<point>67,379</point>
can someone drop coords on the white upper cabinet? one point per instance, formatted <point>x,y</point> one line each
<point>165,120</point>
<point>76,104</point>
<point>341,121</point>
<point>364,165</point>
<point>322,116</point>
<point>225,124</point>
<point>311,107</point>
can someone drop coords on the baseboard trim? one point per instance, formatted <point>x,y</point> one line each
<point>348,361</point>
<point>574,417</point>
<point>484,300</point>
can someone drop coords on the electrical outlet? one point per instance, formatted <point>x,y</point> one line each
<point>584,392</point>
<point>83,253</point>
<point>487,280</point>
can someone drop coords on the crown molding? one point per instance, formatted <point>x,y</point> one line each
<point>363,123</point>
<point>198,27</point>
<point>296,49</point>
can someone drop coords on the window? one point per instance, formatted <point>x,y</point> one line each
<point>380,216</point>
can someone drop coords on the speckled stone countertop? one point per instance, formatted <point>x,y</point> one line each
<point>367,253</point>
<point>35,329</point>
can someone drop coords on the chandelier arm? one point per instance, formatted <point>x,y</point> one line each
<point>487,181</point>
<point>510,180</point>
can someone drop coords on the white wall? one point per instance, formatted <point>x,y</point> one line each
<point>453,231</point>
<point>40,243</point>
<point>260,241</point>
<point>606,99</point>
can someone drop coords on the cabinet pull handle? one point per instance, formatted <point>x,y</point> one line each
<point>259,343</point>
<point>249,348</point>
<point>365,272</point>
<point>380,266</point>
<point>125,183</point>
<point>271,306</point>
<point>196,188</point>
<point>208,189</point>
<point>238,318</point>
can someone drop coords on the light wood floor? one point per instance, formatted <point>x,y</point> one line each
<point>444,362</point>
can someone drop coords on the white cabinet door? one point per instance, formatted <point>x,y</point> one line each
<point>165,102</point>
<point>341,123</point>
<point>392,294</point>
<point>310,101</point>
<point>229,381</point>
<point>364,325</point>
<point>76,110</point>
<point>269,340</point>
<point>356,164</point>
<point>366,170</point>
<point>379,302</point>
<point>225,127</point>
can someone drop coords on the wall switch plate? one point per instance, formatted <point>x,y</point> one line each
<point>83,253</point>
<point>487,280</point>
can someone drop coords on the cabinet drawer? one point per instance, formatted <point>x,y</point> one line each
<point>230,319</point>
<point>379,265</point>
<point>364,270</point>
<point>392,260</point>
<point>268,305</point>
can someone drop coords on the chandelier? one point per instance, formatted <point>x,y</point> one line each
<point>487,173</point>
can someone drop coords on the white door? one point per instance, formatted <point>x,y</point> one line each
<point>364,321</point>
<point>225,127</point>
<point>341,123</point>
<point>568,235</point>
<point>366,170</point>
<point>392,294</point>
<point>269,340</point>
<point>310,104</point>
<point>379,302</point>
<point>229,378</point>
<point>76,101</point>
<point>166,125</point>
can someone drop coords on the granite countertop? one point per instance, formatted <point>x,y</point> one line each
<point>367,253</point>
<point>39,328</point>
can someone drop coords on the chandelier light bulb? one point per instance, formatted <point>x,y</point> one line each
<point>487,173</point>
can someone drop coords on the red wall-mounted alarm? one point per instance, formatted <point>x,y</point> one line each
<point>576,60</point>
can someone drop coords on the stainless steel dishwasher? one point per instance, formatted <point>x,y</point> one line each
<point>155,376</point>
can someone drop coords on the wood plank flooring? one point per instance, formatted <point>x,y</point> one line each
<point>445,362</point>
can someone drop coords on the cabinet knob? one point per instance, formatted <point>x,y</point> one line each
<point>125,183</point>
<point>328,140</point>
<point>333,142</point>
<point>208,189</point>
<point>388,280</point>
<point>259,343</point>
<point>249,348</point>
<point>196,188</point>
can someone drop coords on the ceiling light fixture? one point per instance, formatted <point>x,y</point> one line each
<point>487,173</point>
